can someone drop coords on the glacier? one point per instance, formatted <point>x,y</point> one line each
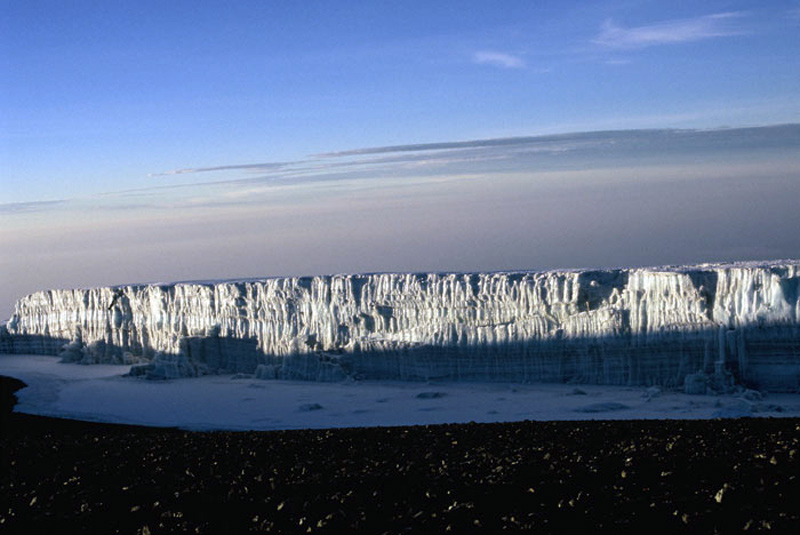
<point>701,328</point>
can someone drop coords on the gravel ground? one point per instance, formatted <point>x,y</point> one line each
<point>64,476</point>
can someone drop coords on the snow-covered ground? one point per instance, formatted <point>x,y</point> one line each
<point>101,393</point>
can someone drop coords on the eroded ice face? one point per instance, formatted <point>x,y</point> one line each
<point>621,327</point>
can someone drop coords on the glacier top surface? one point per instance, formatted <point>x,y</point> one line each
<point>673,268</point>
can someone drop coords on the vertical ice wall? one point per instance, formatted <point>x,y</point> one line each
<point>630,326</point>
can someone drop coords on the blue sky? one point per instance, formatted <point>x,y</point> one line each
<point>102,102</point>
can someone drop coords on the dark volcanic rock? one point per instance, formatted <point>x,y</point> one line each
<point>9,385</point>
<point>65,476</point>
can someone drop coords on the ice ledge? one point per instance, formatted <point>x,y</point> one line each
<point>714,323</point>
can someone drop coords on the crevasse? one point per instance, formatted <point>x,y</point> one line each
<point>732,323</point>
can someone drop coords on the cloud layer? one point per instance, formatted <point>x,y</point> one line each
<point>669,32</point>
<point>30,206</point>
<point>238,184</point>
<point>498,59</point>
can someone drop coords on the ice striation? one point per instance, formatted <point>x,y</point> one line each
<point>701,327</point>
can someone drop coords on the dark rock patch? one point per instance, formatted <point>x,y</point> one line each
<point>61,476</point>
<point>431,395</point>
<point>603,407</point>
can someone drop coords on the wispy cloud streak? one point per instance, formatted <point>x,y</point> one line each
<point>240,167</point>
<point>613,35</point>
<point>498,59</point>
<point>476,143</point>
<point>31,206</point>
<point>425,152</point>
<point>378,161</point>
<point>253,184</point>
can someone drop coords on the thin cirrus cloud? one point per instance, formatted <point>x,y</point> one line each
<point>398,157</point>
<point>498,59</point>
<point>412,163</point>
<point>240,167</point>
<point>325,161</point>
<point>613,35</point>
<point>29,206</point>
<point>470,144</point>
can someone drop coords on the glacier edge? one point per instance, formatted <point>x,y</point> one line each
<point>719,324</point>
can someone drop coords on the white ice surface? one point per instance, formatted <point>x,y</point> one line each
<point>101,393</point>
<point>616,327</point>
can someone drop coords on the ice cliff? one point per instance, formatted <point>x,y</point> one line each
<point>705,326</point>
